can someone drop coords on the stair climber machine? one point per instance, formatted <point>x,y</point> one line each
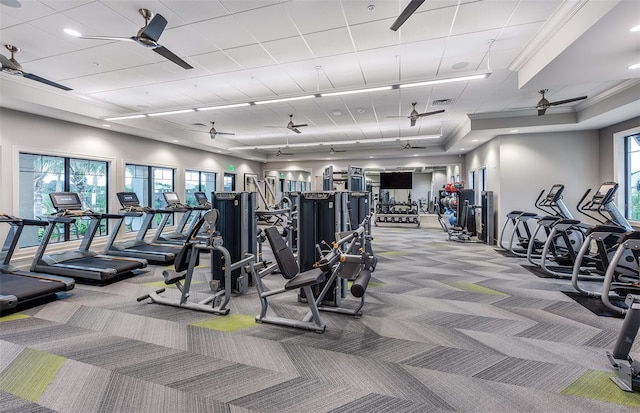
<point>161,254</point>
<point>614,259</point>
<point>237,226</point>
<point>80,263</point>
<point>628,369</point>
<point>18,287</point>
<point>216,300</point>
<point>518,224</point>
<point>563,236</point>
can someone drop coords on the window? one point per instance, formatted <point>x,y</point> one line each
<point>198,181</point>
<point>482,179</point>
<point>148,182</point>
<point>632,184</point>
<point>42,174</point>
<point>229,182</point>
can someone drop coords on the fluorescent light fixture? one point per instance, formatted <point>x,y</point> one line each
<point>352,92</point>
<point>173,112</point>
<point>235,105</point>
<point>72,32</point>
<point>448,80</point>
<point>334,143</point>
<point>636,28</point>
<point>126,117</point>
<point>264,102</point>
<point>636,66</point>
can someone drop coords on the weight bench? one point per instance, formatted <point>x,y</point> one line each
<point>288,266</point>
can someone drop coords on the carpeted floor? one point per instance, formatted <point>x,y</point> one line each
<point>447,327</point>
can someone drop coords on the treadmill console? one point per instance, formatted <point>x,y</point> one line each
<point>128,199</point>
<point>173,200</point>
<point>67,202</point>
<point>201,197</point>
<point>225,195</point>
<point>554,193</point>
<point>317,195</point>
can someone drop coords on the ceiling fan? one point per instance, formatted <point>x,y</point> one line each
<point>282,153</point>
<point>333,151</point>
<point>147,36</point>
<point>213,132</point>
<point>291,125</point>
<point>12,67</point>
<point>544,104</point>
<point>414,115</point>
<point>406,13</point>
<point>409,146</point>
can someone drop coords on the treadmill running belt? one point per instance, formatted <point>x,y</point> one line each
<point>27,288</point>
<point>120,266</point>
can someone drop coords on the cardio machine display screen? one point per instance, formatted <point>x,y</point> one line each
<point>171,198</point>
<point>65,200</point>
<point>605,189</point>
<point>555,192</point>
<point>201,197</point>
<point>128,199</point>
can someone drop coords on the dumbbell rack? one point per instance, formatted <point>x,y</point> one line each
<point>403,213</point>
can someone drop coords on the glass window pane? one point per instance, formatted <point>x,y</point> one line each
<point>632,185</point>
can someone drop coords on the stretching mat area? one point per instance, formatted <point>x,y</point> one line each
<point>447,327</point>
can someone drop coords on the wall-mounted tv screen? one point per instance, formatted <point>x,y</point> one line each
<point>396,180</point>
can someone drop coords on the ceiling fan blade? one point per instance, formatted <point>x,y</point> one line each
<point>45,81</point>
<point>406,13</point>
<point>413,121</point>
<point>541,111</point>
<point>225,133</point>
<point>299,126</point>
<point>168,54</point>
<point>6,62</point>
<point>295,130</point>
<point>430,113</point>
<point>154,29</point>
<point>562,102</point>
<point>126,39</point>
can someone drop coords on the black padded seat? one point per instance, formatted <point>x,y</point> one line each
<point>304,279</point>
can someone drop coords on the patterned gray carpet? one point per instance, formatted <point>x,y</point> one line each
<point>447,327</point>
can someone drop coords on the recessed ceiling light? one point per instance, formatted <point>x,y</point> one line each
<point>371,156</point>
<point>72,32</point>
<point>462,149</point>
<point>636,28</point>
<point>415,154</point>
<point>636,66</point>
<point>175,141</point>
<point>460,65</point>
<point>514,131</point>
<point>361,110</point>
<point>336,113</point>
<point>474,140</point>
<point>106,125</point>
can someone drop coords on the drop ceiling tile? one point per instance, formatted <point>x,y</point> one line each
<point>34,43</point>
<point>267,23</point>
<point>216,62</point>
<point>357,12</point>
<point>469,48</point>
<point>305,75</point>
<point>192,11</point>
<point>236,6</point>
<point>343,71</point>
<point>432,24</point>
<point>529,11</point>
<point>250,88</point>
<point>481,16</point>
<point>251,56</point>
<point>292,49</point>
<point>315,15</point>
<point>186,41</point>
<point>374,35</point>
<point>330,43</point>
<point>30,10</point>
<point>380,65</point>
<point>218,30</point>
<point>97,19</point>
<point>130,11</point>
<point>420,60</point>
<point>61,5</point>
<point>273,78</point>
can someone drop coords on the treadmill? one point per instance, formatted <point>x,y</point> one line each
<point>80,263</point>
<point>139,248</point>
<point>18,287</point>
<point>181,234</point>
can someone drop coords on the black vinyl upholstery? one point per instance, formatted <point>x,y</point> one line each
<point>283,254</point>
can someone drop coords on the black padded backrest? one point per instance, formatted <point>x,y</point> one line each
<point>283,254</point>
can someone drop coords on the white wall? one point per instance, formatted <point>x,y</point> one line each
<point>421,186</point>
<point>22,132</point>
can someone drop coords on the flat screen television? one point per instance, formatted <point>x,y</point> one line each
<point>396,180</point>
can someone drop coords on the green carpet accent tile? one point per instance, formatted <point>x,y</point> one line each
<point>597,385</point>
<point>11,317</point>
<point>231,322</point>
<point>474,288</point>
<point>30,373</point>
<point>394,253</point>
